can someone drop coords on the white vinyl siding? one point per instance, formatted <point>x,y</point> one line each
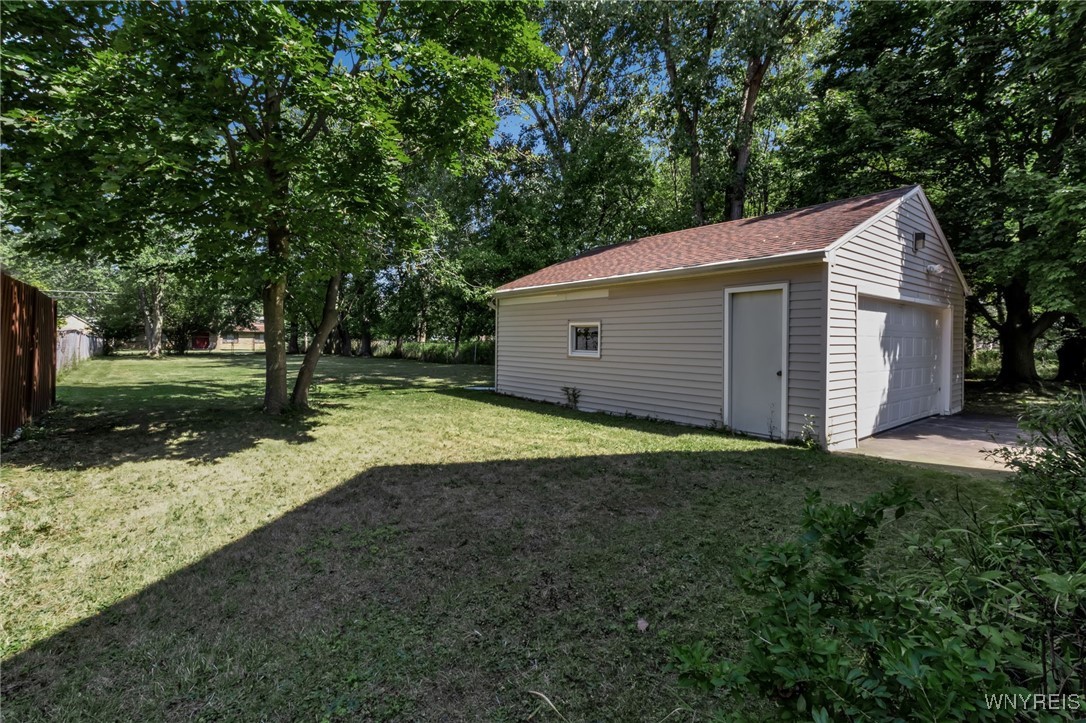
<point>661,347</point>
<point>841,362</point>
<point>806,352</point>
<point>880,261</point>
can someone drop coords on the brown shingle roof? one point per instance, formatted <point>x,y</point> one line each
<point>805,229</point>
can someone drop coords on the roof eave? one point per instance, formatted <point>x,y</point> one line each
<point>793,257</point>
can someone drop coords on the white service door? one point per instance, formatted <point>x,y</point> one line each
<point>755,362</point>
<point>897,347</point>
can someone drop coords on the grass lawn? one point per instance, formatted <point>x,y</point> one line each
<point>411,550</point>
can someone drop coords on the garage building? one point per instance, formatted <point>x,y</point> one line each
<point>844,319</point>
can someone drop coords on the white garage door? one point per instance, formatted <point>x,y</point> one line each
<point>898,348</point>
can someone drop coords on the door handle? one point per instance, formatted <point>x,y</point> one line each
<point>779,374</point>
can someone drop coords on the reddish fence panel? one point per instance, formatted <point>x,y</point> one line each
<point>28,343</point>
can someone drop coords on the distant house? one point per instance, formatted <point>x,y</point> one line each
<point>74,323</point>
<point>839,321</point>
<point>247,339</point>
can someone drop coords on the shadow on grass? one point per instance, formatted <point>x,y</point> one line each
<point>446,592</point>
<point>147,421</point>
<point>179,395</point>
<point>986,397</point>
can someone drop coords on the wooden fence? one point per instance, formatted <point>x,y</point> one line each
<point>28,345</point>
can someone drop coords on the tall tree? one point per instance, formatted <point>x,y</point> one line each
<point>593,85</point>
<point>984,105</point>
<point>582,146</point>
<point>223,114</point>
<point>716,62</point>
<point>686,38</point>
<point>767,36</point>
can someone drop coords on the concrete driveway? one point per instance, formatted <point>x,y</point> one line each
<point>957,442</point>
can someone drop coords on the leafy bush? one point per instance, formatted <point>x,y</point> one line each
<point>984,364</point>
<point>438,352</point>
<point>995,607</point>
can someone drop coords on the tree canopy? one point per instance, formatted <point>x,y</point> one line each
<point>275,132</point>
<point>375,168</point>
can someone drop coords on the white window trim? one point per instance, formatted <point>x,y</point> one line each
<point>570,351</point>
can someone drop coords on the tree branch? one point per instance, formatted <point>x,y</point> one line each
<point>231,148</point>
<point>1043,323</point>
<point>979,308</point>
<point>243,91</point>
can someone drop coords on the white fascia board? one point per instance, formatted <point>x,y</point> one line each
<point>786,259</point>
<point>558,296</point>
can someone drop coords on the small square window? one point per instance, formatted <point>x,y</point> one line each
<point>230,338</point>
<point>584,338</point>
<point>258,338</point>
<point>918,240</point>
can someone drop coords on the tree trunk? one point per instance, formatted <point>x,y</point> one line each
<point>365,343</point>
<point>329,319</point>
<point>970,336</point>
<point>459,332</point>
<point>1072,360</point>
<point>1018,335</point>
<point>344,336</point>
<point>744,136</point>
<point>695,178</point>
<point>1072,353</point>
<point>688,109</point>
<point>292,343</point>
<point>151,305</point>
<point>424,310</point>
<point>275,348</point>
<point>1017,364</point>
<point>275,287</point>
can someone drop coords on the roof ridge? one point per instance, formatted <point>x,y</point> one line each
<point>783,232</point>
<point>902,189</point>
<point>630,242</point>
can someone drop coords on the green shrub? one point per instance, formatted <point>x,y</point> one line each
<point>990,608</point>
<point>984,364</point>
<point>438,352</point>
